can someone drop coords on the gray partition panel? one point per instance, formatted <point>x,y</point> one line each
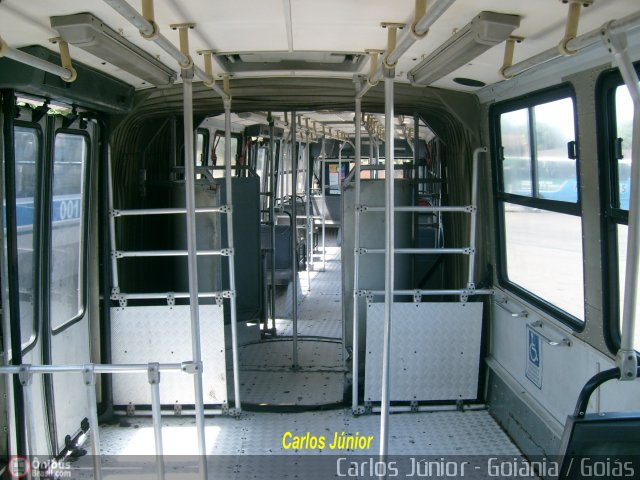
<point>435,351</point>
<point>163,334</point>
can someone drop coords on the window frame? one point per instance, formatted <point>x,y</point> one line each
<point>239,145</point>
<point>37,242</point>
<point>84,237</point>
<point>612,216</point>
<point>500,198</point>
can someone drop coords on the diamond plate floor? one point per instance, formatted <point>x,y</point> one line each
<point>433,433</point>
<point>266,376</point>
<point>319,300</point>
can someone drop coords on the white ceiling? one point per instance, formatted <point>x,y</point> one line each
<point>307,25</point>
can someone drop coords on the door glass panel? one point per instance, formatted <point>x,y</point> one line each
<point>27,153</point>
<point>67,229</point>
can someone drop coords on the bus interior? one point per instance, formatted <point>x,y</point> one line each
<point>288,230</point>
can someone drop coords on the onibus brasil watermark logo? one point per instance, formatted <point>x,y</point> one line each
<point>33,467</point>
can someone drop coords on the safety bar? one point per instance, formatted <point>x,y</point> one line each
<point>97,368</point>
<point>156,296</point>
<point>418,209</point>
<point>426,251</point>
<point>169,253</point>
<point>590,387</point>
<point>537,327</point>
<point>502,303</point>
<point>25,375</point>
<point>461,291</point>
<point>628,23</point>
<point>151,32</point>
<point>167,211</point>
<point>32,61</point>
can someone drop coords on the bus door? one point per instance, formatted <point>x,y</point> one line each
<point>67,278</point>
<point>50,175</point>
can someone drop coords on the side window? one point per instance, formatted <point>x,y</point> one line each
<point>71,156</point>
<point>538,203</point>
<point>202,147</point>
<point>619,122</point>
<point>27,143</point>
<point>217,153</point>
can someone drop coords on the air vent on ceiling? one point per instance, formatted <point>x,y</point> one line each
<point>242,62</point>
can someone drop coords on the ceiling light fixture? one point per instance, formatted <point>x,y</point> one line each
<point>483,32</point>
<point>92,35</point>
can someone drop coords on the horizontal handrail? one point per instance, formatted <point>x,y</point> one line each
<point>33,61</point>
<point>168,253</point>
<point>561,342</point>
<point>502,303</point>
<point>427,251</point>
<point>187,367</point>
<point>164,296</point>
<point>456,292</point>
<point>417,208</point>
<point>167,211</point>
<point>630,22</point>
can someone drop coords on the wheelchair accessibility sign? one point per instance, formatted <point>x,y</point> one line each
<point>534,358</point>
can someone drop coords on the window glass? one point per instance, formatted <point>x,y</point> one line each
<point>261,161</point>
<point>544,255</point>
<point>27,153</point>
<point>544,171</point>
<point>623,231</point>
<point>218,154</point>
<point>556,172</point>
<point>200,149</point>
<point>200,146</point>
<point>67,229</point>
<point>516,166</point>
<point>624,128</point>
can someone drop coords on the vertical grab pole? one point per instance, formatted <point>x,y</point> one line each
<point>309,229</point>
<point>90,382</point>
<point>232,269</point>
<point>294,239</point>
<point>26,380</point>
<point>474,211</point>
<point>112,231</point>
<point>388,257</point>
<point>355,354</point>
<point>192,259</point>
<point>324,209</point>
<point>626,357</point>
<point>272,218</point>
<point>154,381</point>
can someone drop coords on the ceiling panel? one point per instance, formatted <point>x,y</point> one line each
<point>331,25</point>
<point>345,26</point>
<point>229,26</point>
